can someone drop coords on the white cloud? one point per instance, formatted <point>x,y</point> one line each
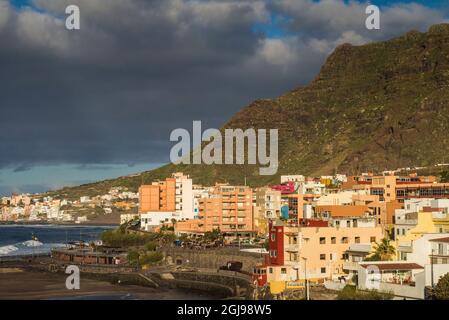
<point>4,13</point>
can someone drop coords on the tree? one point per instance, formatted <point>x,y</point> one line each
<point>133,258</point>
<point>150,258</point>
<point>441,290</point>
<point>212,235</point>
<point>444,176</point>
<point>383,251</point>
<point>151,246</point>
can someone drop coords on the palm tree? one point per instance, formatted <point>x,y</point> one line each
<point>173,222</point>
<point>383,251</point>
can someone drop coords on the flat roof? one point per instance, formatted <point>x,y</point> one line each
<point>385,266</point>
<point>446,240</point>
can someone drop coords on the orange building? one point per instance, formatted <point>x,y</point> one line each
<point>228,208</point>
<point>318,252</point>
<point>333,211</point>
<point>159,196</point>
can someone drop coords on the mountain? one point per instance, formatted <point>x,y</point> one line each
<point>372,107</point>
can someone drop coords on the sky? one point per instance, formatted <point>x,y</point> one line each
<point>100,102</point>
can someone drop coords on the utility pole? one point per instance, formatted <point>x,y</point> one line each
<point>306,280</point>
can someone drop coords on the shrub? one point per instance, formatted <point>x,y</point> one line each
<point>441,290</point>
<point>350,292</point>
<point>151,246</point>
<point>150,258</point>
<point>133,258</point>
<point>119,238</point>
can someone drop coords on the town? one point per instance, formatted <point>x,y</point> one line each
<point>327,231</point>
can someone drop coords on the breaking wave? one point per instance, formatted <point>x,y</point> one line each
<point>6,250</point>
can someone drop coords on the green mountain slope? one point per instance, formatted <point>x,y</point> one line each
<point>372,107</point>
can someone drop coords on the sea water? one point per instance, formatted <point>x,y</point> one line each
<point>16,240</point>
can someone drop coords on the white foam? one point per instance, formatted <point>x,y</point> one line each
<point>7,250</point>
<point>32,243</point>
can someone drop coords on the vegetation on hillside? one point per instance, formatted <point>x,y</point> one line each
<point>372,107</point>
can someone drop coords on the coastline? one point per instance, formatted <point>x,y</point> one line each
<point>47,223</point>
<point>26,280</point>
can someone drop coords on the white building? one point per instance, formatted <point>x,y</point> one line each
<point>184,196</point>
<point>150,220</point>
<point>199,193</point>
<point>340,198</point>
<point>127,217</point>
<point>84,199</point>
<point>292,178</point>
<point>420,250</point>
<point>407,218</point>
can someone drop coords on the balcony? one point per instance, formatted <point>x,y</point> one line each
<point>350,265</point>
<point>409,222</point>
<point>291,247</point>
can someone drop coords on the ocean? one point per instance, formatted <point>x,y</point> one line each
<point>16,240</point>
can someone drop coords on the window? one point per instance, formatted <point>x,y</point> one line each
<point>348,224</point>
<point>270,270</point>
<point>323,270</point>
<point>283,270</point>
<point>273,237</point>
<point>333,240</point>
<point>337,223</point>
<point>323,256</point>
<point>273,253</point>
<point>357,239</point>
<point>344,240</point>
<point>372,239</point>
<point>322,240</point>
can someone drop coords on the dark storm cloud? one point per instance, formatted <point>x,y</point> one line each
<point>113,91</point>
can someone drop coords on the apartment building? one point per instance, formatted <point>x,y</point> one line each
<point>173,194</point>
<point>159,196</point>
<point>421,216</point>
<point>228,208</point>
<point>269,202</point>
<point>311,249</point>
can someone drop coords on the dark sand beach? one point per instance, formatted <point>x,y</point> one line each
<point>21,284</point>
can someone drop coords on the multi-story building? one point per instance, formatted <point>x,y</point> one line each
<point>170,195</point>
<point>311,249</point>
<point>159,196</point>
<point>421,217</point>
<point>228,208</point>
<point>269,202</point>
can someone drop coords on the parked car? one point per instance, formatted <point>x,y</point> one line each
<point>232,266</point>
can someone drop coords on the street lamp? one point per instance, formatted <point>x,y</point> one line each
<point>431,268</point>
<point>305,279</point>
